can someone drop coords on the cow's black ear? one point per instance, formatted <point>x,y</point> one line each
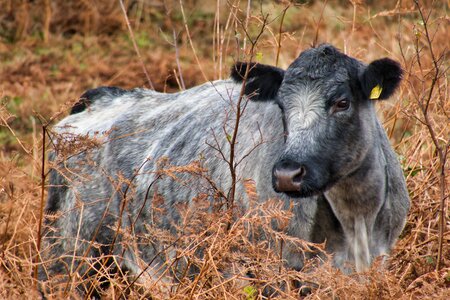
<point>262,82</point>
<point>381,78</point>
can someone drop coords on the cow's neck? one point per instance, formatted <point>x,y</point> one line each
<point>356,201</point>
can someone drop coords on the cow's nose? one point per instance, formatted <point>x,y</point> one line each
<point>288,176</point>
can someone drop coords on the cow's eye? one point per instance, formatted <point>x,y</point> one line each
<point>341,105</point>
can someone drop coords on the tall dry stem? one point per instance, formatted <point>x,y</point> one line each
<point>41,204</point>
<point>239,110</point>
<point>191,43</point>
<point>136,48</point>
<point>280,33</point>
<point>47,20</point>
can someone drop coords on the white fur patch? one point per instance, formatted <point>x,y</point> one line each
<point>95,119</point>
<point>304,109</point>
<point>360,245</point>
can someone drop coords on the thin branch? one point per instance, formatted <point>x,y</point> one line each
<point>41,204</point>
<point>280,35</point>
<point>233,140</point>
<point>316,37</point>
<point>177,58</point>
<point>136,48</point>
<point>190,41</point>
<point>247,17</point>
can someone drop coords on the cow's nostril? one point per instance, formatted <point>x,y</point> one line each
<point>288,176</point>
<point>299,176</point>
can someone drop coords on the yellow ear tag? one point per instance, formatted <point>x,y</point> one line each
<point>376,92</point>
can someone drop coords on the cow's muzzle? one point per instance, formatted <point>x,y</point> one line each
<point>287,176</point>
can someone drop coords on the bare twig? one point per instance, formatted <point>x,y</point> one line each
<point>280,34</point>
<point>47,20</point>
<point>316,36</point>
<point>41,204</point>
<point>136,48</point>
<point>247,17</point>
<point>233,141</point>
<point>177,58</point>
<point>190,41</point>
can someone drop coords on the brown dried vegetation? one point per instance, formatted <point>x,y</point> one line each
<point>51,51</point>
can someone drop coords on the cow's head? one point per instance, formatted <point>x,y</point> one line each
<point>326,98</point>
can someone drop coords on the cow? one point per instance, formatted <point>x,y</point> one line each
<point>309,133</point>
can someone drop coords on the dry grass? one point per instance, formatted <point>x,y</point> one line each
<point>51,53</point>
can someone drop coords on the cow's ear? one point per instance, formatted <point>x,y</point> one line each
<point>381,78</point>
<point>262,82</point>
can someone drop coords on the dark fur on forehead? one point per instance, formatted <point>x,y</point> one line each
<point>263,81</point>
<point>320,62</point>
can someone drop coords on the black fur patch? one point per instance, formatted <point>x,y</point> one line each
<point>385,72</point>
<point>263,81</point>
<point>91,95</point>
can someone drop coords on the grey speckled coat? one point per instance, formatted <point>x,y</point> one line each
<point>317,123</point>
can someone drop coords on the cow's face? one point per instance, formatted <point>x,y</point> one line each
<point>328,115</point>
